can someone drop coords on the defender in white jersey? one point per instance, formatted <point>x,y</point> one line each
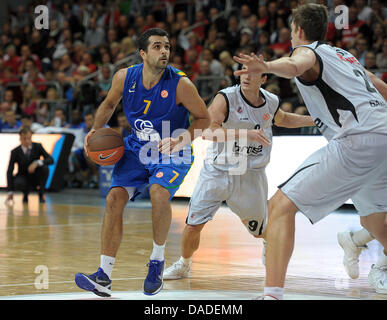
<point>340,94</point>
<point>234,169</point>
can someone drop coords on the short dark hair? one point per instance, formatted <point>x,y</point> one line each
<point>25,130</point>
<point>313,19</point>
<point>143,40</point>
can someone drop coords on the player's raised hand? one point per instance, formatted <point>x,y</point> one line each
<point>258,136</point>
<point>86,140</point>
<point>253,64</point>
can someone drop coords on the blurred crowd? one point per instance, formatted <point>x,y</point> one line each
<point>58,77</point>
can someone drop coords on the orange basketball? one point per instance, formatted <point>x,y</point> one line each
<point>106,146</point>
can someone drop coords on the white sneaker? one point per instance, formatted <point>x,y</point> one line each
<point>377,278</point>
<point>177,271</point>
<point>351,254</point>
<point>264,253</point>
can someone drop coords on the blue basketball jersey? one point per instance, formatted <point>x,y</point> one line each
<point>153,114</point>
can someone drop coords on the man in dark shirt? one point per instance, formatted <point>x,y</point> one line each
<point>32,170</point>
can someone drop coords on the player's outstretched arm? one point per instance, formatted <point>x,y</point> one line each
<point>109,104</point>
<point>379,84</point>
<point>188,96</point>
<point>292,120</point>
<point>301,61</point>
<point>215,132</point>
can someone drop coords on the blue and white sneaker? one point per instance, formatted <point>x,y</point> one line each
<point>153,282</point>
<point>98,283</point>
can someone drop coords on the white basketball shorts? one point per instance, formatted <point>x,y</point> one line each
<point>350,167</point>
<point>246,195</point>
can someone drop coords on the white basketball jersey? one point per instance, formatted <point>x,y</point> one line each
<point>243,115</point>
<point>343,97</point>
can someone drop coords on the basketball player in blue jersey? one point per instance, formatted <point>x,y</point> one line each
<point>154,96</point>
<point>341,95</point>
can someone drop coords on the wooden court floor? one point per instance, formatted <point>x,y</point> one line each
<point>43,246</point>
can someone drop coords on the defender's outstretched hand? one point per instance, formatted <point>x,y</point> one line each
<point>253,64</point>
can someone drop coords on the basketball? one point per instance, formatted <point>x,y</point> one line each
<point>106,147</point>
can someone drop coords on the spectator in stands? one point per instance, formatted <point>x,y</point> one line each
<point>43,114</point>
<point>38,43</point>
<point>36,78</point>
<point>191,59</point>
<point>26,68</point>
<point>215,20</point>
<point>32,170</point>
<point>282,47</point>
<point>364,11</point>
<point>246,38</point>
<point>370,63</point>
<point>10,123</point>
<point>381,58</point>
<point>378,36</point>
<point>128,46</point>
<point>379,12</point>
<point>67,66</point>
<point>210,40</point>
<point>81,72</point>
<point>27,55</point>
<point>11,59</point>
<point>263,41</point>
<point>59,119</point>
<point>233,34</point>
<point>104,82</point>
<point>355,27</point>
<point>253,26</point>
<point>87,60</point>
<point>206,87</point>
<point>228,61</point>
<point>10,99</point>
<point>244,15</point>
<point>123,124</point>
<point>361,46</point>
<point>29,104</point>
<point>8,76</point>
<point>215,65</point>
<point>263,17</point>
<point>94,35</point>
<point>220,45</point>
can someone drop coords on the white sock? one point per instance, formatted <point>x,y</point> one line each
<point>361,237</point>
<point>186,261</point>
<point>158,252</point>
<point>107,264</point>
<point>275,292</point>
<point>382,260</point>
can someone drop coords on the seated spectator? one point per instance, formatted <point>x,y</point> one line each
<point>378,36</point>
<point>191,59</point>
<point>29,104</point>
<point>87,61</point>
<point>233,33</point>
<point>25,55</point>
<point>381,57</point>
<point>94,35</point>
<point>59,119</point>
<point>355,27</point>
<point>282,47</point>
<point>361,45</point>
<point>8,76</point>
<point>364,11</point>
<point>32,170</point>
<point>43,114</point>
<point>215,66</point>
<point>210,40</point>
<point>35,78</point>
<point>28,67</point>
<point>123,124</point>
<point>104,82</point>
<point>206,87</point>
<point>11,59</point>
<point>67,66</point>
<point>80,73</point>
<point>246,38</point>
<point>370,63</point>
<point>128,46</point>
<point>228,61</point>
<point>9,98</point>
<point>10,123</point>
<point>28,121</point>
<point>244,15</point>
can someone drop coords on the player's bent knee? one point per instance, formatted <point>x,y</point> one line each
<point>194,229</point>
<point>117,198</point>
<point>158,192</point>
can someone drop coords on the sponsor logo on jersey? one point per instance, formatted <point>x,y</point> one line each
<point>266,116</point>
<point>133,87</point>
<point>239,110</point>
<point>247,150</point>
<point>159,174</point>
<point>145,130</point>
<point>164,94</point>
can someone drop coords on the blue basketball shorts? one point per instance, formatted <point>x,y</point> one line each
<point>131,172</point>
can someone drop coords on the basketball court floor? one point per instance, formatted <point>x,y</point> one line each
<point>42,246</point>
